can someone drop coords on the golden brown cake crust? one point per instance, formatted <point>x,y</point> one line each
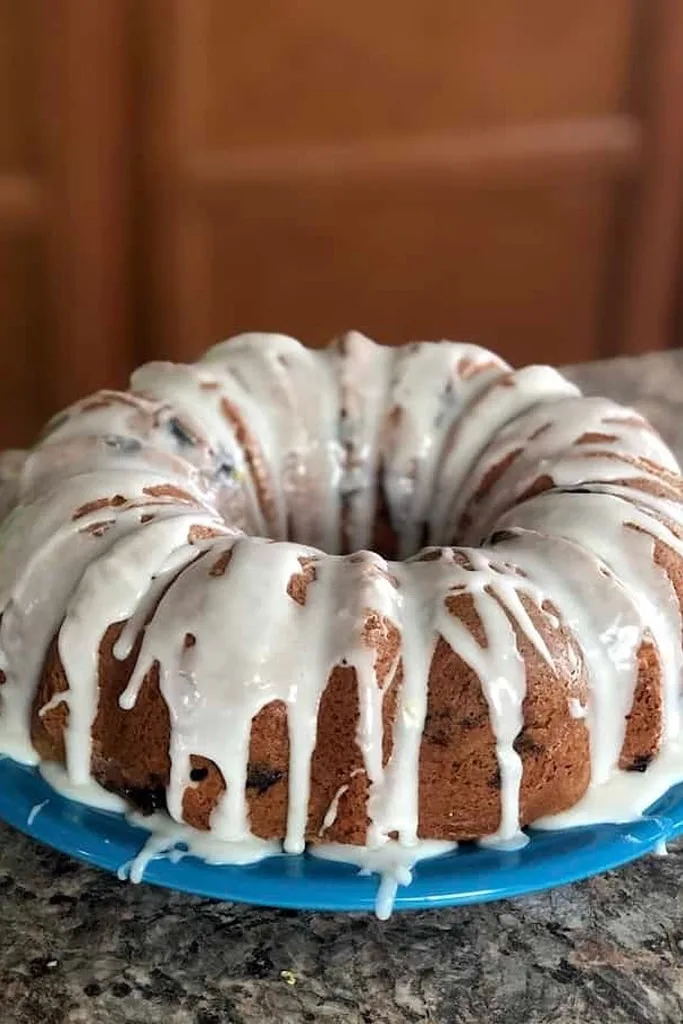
<point>459,782</point>
<point>459,777</point>
<point>459,773</point>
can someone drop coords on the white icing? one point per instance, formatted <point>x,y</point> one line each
<point>600,523</point>
<point>145,509</point>
<point>35,811</point>
<point>111,590</point>
<point>607,625</point>
<point>11,468</point>
<point>197,397</point>
<point>624,796</point>
<point>392,861</point>
<point>364,371</point>
<point>427,396</point>
<point>89,793</point>
<point>40,542</point>
<point>175,840</point>
<point>576,709</point>
<point>517,841</point>
<point>300,390</point>
<point>548,441</point>
<point>506,398</point>
<point>330,815</point>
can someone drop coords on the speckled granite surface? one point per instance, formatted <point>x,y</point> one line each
<point>79,946</point>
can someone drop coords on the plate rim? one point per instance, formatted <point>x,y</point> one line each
<point>307,883</point>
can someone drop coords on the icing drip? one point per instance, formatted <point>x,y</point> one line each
<point>89,793</point>
<point>214,695</point>
<point>625,795</point>
<point>425,588</point>
<point>111,590</point>
<point>597,608</point>
<point>604,524</point>
<point>35,811</point>
<point>56,537</point>
<point>364,371</point>
<point>330,815</point>
<point>300,389</point>
<point>393,862</point>
<point>173,840</point>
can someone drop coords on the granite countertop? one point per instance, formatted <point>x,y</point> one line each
<point>79,946</point>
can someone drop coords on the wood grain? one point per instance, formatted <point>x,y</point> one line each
<point>19,127</point>
<point>655,245</point>
<point>525,152</point>
<point>179,301</point>
<point>414,171</point>
<point>298,72</point>
<point>20,409</point>
<point>172,171</point>
<point>403,264</point>
<point>84,110</point>
<point>21,202</point>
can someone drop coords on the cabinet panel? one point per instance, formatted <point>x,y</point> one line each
<point>286,71</point>
<point>520,270</point>
<point>18,127</point>
<point>172,171</point>
<point>20,310</point>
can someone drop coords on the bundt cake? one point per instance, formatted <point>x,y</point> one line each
<point>194,618</point>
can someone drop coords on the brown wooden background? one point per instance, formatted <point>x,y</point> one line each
<point>173,171</point>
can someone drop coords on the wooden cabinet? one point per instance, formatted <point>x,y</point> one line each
<point>173,171</point>
<point>65,287</point>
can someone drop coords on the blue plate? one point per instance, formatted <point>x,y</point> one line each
<point>468,875</point>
